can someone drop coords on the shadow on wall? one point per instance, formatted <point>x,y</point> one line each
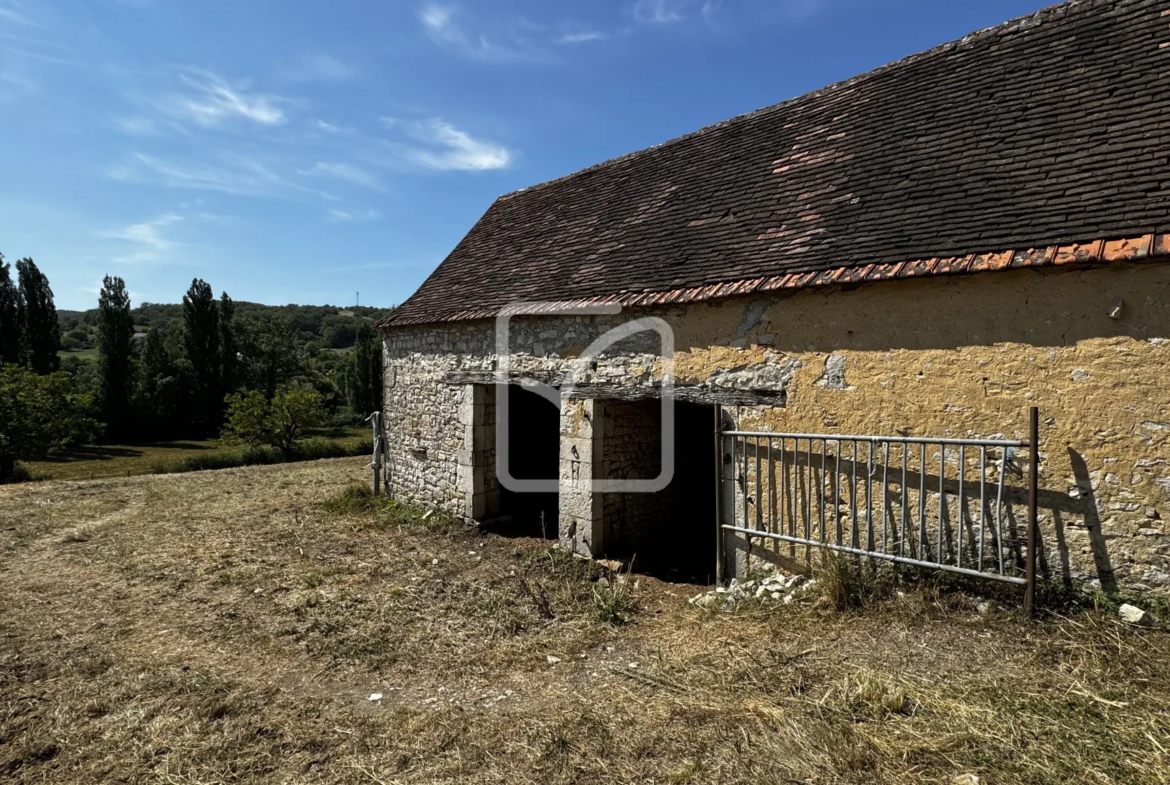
<point>1041,308</point>
<point>1092,524</point>
<point>796,488</point>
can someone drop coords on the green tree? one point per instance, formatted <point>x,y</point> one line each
<point>281,422</point>
<point>42,331</point>
<point>39,414</point>
<point>270,355</point>
<point>201,343</point>
<point>11,318</point>
<point>164,398</point>
<point>115,346</point>
<point>363,378</point>
<point>228,345</point>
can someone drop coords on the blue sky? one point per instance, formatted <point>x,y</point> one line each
<point>294,151</point>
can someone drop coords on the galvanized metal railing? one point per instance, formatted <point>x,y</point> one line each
<point>942,504</point>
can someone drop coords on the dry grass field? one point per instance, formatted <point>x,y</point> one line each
<point>231,626</point>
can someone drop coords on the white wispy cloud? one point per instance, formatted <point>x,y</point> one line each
<point>320,67</point>
<point>214,101</point>
<point>439,23</point>
<point>341,171</point>
<point>659,11</point>
<point>442,24</point>
<point>149,245</point>
<point>581,37</point>
<point>348,217</point>
<point>147,232</point>
<point>136,126</point>
<point>41,56</point>
<point>440,145</point>
<point>233,173</point>
<point>11,12</point>
<point>331,128</point>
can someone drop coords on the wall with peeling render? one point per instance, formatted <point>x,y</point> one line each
<point>947,357</point>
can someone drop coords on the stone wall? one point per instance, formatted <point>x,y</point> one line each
<point>632,450</point>
<point>948,357</point>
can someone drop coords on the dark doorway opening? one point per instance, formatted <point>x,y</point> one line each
<point>685,551</point>
<point>670,534</point>
<point>534,453</point>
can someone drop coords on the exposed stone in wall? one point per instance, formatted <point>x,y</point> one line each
<point>833,377</point>
<point>773,373</point>
<point>959,357</point>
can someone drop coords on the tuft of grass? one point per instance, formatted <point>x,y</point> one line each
<point>390,513</point>
<point>613,601</point>
<point>847,583</point>
<point>352,500</point>
<point>872,695</point>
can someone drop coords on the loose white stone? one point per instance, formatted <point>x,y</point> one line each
<point>1131,614</point>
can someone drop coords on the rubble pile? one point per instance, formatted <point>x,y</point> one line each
<point>773,590</point>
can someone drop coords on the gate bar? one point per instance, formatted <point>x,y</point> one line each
<point>718,495</point>
<point>836,437</point>
<point>879,555</point>
<point>1033,503</point>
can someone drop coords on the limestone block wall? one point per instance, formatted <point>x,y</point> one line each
<point>580,529</point>
<point>632,450</point>
<point>428,430</point>
<point>948,357</point>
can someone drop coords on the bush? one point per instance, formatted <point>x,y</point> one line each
<point>21,473</point>
<point>251,456</point>
<point>281,422</point>
<point>38,415</point>
<point>309,450</point>
<point>319,448</point>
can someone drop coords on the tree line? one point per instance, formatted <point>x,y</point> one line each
<point>197,370</point>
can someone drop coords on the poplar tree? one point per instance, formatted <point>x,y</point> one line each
<point>364,375</point>
<point>201,344</point>
<point>228,345</point>
<point>11,318</point>
<point>42,332</point>
<point>115,344</point>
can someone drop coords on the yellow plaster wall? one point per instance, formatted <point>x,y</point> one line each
<point>959,357</point>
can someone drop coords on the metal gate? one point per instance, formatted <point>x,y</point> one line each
<point>944,504</point>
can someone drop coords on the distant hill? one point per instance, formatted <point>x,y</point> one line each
<point>325,326</point>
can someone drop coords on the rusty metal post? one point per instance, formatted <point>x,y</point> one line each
<point>718,495</point>
<point>1033,504</point>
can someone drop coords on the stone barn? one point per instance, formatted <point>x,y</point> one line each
<point>924,251</point>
